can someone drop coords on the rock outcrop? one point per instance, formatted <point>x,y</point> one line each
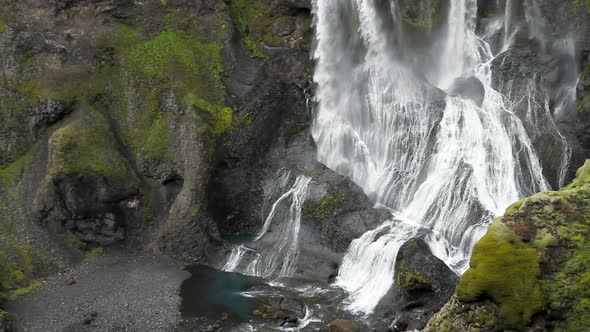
<point>111,117</point>
<point>529,272</point>
<point>422,285</point>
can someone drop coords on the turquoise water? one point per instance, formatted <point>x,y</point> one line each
<point>240,238</point>
<point>210,293</point>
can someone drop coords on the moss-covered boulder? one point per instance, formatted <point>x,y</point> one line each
<point>532,267</point>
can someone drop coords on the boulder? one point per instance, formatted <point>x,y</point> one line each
<point>469,88</point>
<point>338,209</point>
<point>343,325</point>
<point>284,311</point>
<point>422,285</point>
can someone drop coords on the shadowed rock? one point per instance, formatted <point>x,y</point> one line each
<point>469,88</point>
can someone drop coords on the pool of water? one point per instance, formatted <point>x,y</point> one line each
<point>210,293</point>
<point>240,238</point>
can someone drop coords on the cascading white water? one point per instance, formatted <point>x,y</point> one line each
<point>444,163</point>
<point>280,258</point>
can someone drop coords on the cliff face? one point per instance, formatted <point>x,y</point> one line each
<point>159,126</point>
<point>113,113</point>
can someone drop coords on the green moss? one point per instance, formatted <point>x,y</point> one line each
<point>16,267</point>
<point>2,26</point>
<point>223,120</point>
<point>585,3</point>
<point>20,258</point>
<point>544,239</point>
<point>68,85</point>
<point>549,230</point>
<point>255,48</point>
<point>10,174</point>
<point>326,208</point>
<point>192,65</point>
<point>191,68</point>
<point>506,270</point>
<point>72,240</point>
<point>93,254</point>
<point>85,147</point>
<point>253,17</point>
<point>513,208</point>
<point>156,144</point>
<point>582,177</point>
<point>414,281</point>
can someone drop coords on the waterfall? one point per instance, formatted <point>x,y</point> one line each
<point>445,163</point>
<point>279,259</point>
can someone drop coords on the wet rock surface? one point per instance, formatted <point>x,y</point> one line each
<point>469,88</point>
<point>422,285</point>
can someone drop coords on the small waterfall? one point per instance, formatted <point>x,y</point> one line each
<point>369,261</point>
<point>279,249</point>
<point>446,164</point>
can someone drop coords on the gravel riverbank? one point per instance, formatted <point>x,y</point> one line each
<point>116,291</point>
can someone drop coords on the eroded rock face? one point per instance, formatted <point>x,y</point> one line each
<point>109,148</point>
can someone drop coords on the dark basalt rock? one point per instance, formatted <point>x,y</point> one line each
<point>48,112</point>
<point>90,208</point>
<point>512,74</point>
<point>7,323</point>
<point>469,88</point>
<point>337,209</point>
<point>422,285</point>
<point>306,4</point>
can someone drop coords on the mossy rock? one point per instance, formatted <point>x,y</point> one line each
<point>86,147</point>
<point>506,269</point>
<point>11,174</point>
<point>536,260</point>
<point>328,206</point>
<point>412,282</point>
